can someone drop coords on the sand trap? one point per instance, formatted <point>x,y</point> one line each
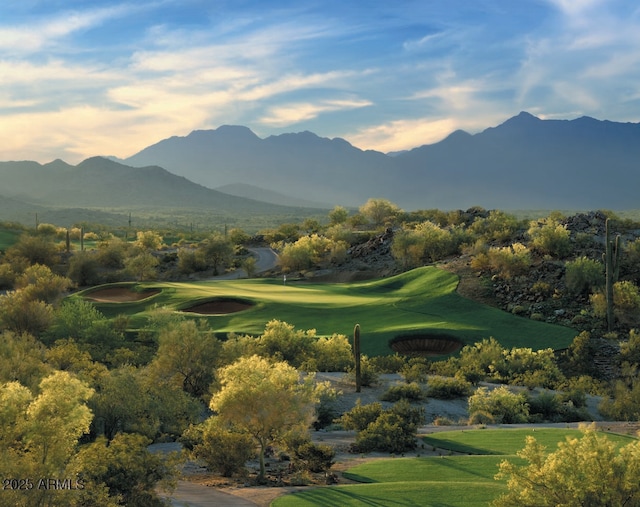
<point>219,307</point>
<point>119,295</point>
<point>426,344</point>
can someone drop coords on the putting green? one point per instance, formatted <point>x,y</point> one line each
<point>423,300</point>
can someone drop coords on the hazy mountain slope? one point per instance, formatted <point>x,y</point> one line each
<point>524,163</point>
<point>301,165</point>
<point>260,194</point>
<point>529,163</point>
<point>101,183</point>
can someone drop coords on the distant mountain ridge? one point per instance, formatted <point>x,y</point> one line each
<point>523,163</point>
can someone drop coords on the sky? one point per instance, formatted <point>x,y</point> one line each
<point>82,78</point>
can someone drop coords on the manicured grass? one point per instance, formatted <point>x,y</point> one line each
<point>506,441</point>
<point>452,481</point>
<point>8,238</point>
<point>423,299</point>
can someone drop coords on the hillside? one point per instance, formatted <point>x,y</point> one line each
<point>524,163</point>
<point>56,190</point>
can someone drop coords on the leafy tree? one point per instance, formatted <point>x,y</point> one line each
<point>148,241</point>
<point>22,359</point>
<point>23,315</point>
<point>218,252</point>
<point>249,266</point>
<point>586,471</point>
<point>187,356</point>
<point>79,319</point>
<point>125,471</point>
<point>338,215</point>
<point>282,342</point>
<point>39,434</point>
<point>264,399</point>
<point>407,248</point>
<point>111,253</point>
<point>191,261</point>
<point>380,211</point>
<point>142,266</point>
<point>222,449</point>
<point>40,283</point>
<point>83,269</point>
<point>35,249</point>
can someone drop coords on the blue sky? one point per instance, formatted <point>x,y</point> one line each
<point>84,78</point>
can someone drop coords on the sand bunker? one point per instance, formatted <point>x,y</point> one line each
<point>219,307</point>
<point>119,295</point>
<point>425,344</point>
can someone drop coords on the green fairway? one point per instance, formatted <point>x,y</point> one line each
<point>452,481</point>
<point>421,300</point>
<point>8,238</point>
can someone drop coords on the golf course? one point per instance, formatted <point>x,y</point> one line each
<point>458,472</point>
<point>421,302</point>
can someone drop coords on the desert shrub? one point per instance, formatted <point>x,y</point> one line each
<point>35,249</point>
<point>83,269</point>
<point>360,416</point>
<point>505,407</point>
<point>524,366</point>
<point>332,353</point>
<point>415,370</point>
<point>326,411</point>
<point>478,361</point>
<point>191,261</point>
<point>542,288</point>
<point>497,226</point>
<point>409,392</point>
<point>369,374</point>
<point>623,404</point>
<point>583,275</point>
<point>24,315</point>
<point>447,388</point>
<point>313,457</point>
<point>626,303</point>
<point>111,253</point>
<point>481,417</point>
<point>223,450</point>
<point>390,363</point>
<point>39,282</point>
<point>394,430</point>
<point>7,276</point>
<point>509,261</point>
<point>550,237</point>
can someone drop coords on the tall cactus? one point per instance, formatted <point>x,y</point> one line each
<point>612,270</point>
<point>356,356</point>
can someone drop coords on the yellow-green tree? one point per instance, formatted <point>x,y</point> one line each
<point>264,399</point>
<point>39,436</point>
<point>586,471</point>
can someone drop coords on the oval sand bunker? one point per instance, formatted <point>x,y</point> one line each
<point>119,295</point>
<point>425,344</point>
<point>219,307</point>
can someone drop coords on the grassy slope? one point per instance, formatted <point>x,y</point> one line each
<point>436,481</point>
<point>8,238</point>
<point>422,299</point>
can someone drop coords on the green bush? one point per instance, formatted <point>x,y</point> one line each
<point>415,370</point>
<point>360,416</point>
<point>369,374</point>
<point>390,363</point>
<point>223,450</point>
<point>394,430</point>
<point>313,457</point>
<point>583,275</point>
<point>505,407</point>
<point>447,388</point>
<point>409,392</point>
<point>550,237</point>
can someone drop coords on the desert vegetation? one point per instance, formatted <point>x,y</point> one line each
<point>125,340</point>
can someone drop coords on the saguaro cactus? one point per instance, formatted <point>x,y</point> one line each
<point>612,270</point>
<point>356,356</point>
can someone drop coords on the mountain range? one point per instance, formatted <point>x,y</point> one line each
<point>524,163</point>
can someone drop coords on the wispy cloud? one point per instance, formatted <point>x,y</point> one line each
<point>290,114</point>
